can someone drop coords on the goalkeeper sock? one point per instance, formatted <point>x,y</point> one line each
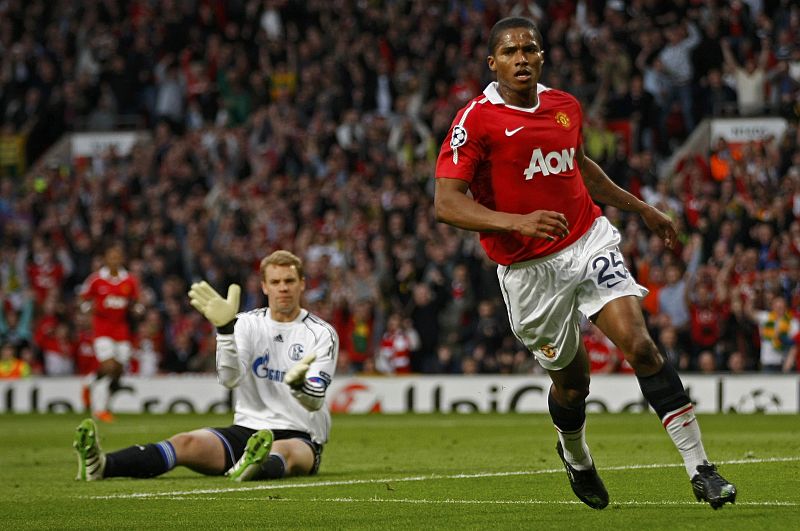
<point>665,393</point>
<point>113,387</point>
<point>100,393</point>
<point>141,461</point>
<point>274,467</point>
<point>570,425</point>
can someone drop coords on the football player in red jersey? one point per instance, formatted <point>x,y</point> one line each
<point>604,356</point>
<point>518,149</point>
<point>110,293</point>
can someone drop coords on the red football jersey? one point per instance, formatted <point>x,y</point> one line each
<point>85,360</point>
<point>521,160</point>
<point>395,348</point>
<point>44,278</point>
<point>111,296</point>
<point>603,354</point>
<point>44,334</point>
<point>705,324</point>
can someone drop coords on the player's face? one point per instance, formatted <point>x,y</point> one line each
<point>283,288</point>
<point>114,258</point>
<point>517,60</point>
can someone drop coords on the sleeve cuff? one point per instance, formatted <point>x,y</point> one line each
<point>227,328</point>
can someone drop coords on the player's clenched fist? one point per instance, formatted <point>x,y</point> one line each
<point>211,304</point>
<point>544,224</point>
<point>297,374</point>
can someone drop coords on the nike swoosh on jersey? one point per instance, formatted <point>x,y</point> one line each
<point>614,284</point>
<point>514,131</point>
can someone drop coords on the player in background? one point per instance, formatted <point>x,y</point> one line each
<point>604,356</point>
<point>518,149</point>
<point>279,359</point>
<point>112,295</point>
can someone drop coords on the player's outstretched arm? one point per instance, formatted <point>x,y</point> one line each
<point>296,376</point>
<point>222,314</point>
<point>230,367</point>
<point>661,224</point>
<point>604,190</point>
<point>311,394</point>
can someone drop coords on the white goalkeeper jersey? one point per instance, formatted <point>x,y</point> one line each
<point>266,350</point>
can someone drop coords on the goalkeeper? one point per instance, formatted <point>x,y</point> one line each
<point>280,359</point>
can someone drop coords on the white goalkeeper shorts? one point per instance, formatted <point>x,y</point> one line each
<point>545,297</point>
<point>106,348</point>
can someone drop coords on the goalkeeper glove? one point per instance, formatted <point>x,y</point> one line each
<point>296,376</point>
<point>221,312</point>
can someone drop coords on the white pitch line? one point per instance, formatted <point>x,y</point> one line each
<point>278,486</point>
<point>413,501</point>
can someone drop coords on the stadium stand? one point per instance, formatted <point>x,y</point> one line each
<point>244,126</point>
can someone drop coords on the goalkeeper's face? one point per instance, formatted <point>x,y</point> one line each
<point>283,288</point>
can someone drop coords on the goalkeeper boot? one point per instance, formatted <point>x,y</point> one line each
<point>709,486</point>
<point>91,459</point>
<point>586,484</point>
<point>248,467</point>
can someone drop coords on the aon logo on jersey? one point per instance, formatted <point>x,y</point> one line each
<point>115,302</point>
<point>553,162</point>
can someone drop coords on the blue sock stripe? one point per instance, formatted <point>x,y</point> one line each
<point>172,453</point>
<point>225,443</point>
<point>167,453</point>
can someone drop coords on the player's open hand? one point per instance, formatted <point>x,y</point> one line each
<point>544,224</point>
<point>211,304</point>
<point>662,225</point>
<point>297,374</point>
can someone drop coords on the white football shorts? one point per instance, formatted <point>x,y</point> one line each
<point>106,348</point>
<point>545,297</point>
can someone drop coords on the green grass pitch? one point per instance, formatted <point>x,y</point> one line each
<point>413,472</point>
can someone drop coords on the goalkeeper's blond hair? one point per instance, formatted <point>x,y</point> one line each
<point>282,258</point>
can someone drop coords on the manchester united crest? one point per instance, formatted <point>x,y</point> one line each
<point>562,119</point>
<point>549,350</point>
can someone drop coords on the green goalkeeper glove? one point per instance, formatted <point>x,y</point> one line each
<point>207,301</point>
<point>297,374</point>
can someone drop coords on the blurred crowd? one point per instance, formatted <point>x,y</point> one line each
<point>314,126</point>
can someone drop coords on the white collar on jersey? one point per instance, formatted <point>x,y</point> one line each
<point>105,273</point>
<point>302,315</point>
<point>493,96</point>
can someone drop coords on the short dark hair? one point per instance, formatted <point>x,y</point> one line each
<point>508,23</point>
<point>112,245</point>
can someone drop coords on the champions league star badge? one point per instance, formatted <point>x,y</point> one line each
<point>459,137</point>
